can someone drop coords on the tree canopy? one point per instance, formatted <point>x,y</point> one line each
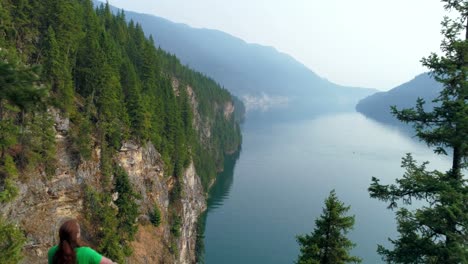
<point>328,243</point>
<point>102,73</point>
<point>438,231</point>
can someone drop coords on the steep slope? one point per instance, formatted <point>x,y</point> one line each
<point>259,75</point>
<point>377,106</point>
<point>99,125</point>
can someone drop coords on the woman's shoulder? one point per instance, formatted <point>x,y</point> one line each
<point>51,253</point>
<point>85,249</point>
<point>89,254</point>
<point>52,250</point>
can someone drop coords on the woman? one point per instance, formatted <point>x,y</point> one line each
<point>71,250</point>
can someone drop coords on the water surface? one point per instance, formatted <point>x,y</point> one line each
<point>275,187</point>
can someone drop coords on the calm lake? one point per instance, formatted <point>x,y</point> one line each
<point>275,187</point>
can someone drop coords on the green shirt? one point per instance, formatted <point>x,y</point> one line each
<point>84,255</point>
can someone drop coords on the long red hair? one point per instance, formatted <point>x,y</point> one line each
<point>69,240</point>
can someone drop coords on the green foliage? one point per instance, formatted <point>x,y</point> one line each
<point>436,232</point>
<point>155,216</point>
<point>177,191</point>
<point>174,249</point>
<point>17,84</point>
<point>106,165</point>
<point>9,167</point>
<point>104,222</point>
<point>175,226</point>
<point>126,202</point>
<point>18,91</point>
<point>58,75</point>
<point>38,140</point>
<point>426,234</point>
<point>80,133</point>
<point>9,133</point>
<point>18,96</point>
<point>8,173</point>
<point>113,227</point>
<point>115,86</point>
<point>11,243</point>
<point>9,192</point>
<point>328,243</point>
<point>139,116</point>
<point>92,59</point>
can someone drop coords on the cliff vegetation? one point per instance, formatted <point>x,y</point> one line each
<point>97,123</point>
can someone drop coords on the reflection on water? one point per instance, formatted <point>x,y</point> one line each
<point>218,193</point>
<point>220,190</point>
<point>285,171</point>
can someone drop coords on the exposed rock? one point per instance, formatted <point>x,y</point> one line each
<point>228,109</point>
<point>194,203</point>
<point>144,168</point>
<point>44,203</point>
<point>175,86</point>
<point>62,125</point>
<point>128,146</point>
<point>115,196</point>
<point>203,126</point>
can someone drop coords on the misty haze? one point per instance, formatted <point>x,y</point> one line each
<point>157,131</point>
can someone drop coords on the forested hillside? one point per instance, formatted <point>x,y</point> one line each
<point>377,106</point>
<point>65,60</point>
<point>260,75</point>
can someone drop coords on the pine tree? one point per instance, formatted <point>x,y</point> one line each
<point>18,95</point>
<point>328,243</point>
<point>114,85</point>
<point>56,72</point>
<point>155,215</point>
<point>126,202</point>
<point>103,223</point>
<point>38,140</point>
<point>139,117</point>
<point>9,173</point>
<point>437,232</point>
<point>11,243</point>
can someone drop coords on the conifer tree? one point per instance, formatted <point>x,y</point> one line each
<point>328,243</point>
<point>155,215</point>
<point>139,117</point>
<point>11,243</point>
<point>126,203</point>
<point>114,85</point>
<point>18,94</point>
<point>438,231</point>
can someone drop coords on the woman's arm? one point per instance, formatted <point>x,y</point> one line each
<point>105,260</point>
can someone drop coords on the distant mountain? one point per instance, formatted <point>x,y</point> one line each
<point>377,106</point>
<point>261,76</point>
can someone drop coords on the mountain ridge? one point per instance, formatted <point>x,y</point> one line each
<point>377,106</point>
<point>247,69</point>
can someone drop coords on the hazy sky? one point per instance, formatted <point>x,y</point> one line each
<point>366,43</point>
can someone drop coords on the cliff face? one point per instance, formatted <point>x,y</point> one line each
<point>117,88</point>
<point>144,168</point>
<point>45,202</point>
<point>194,203</point>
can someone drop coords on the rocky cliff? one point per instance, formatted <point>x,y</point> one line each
<point>98,124</point>
<point>45,202</point>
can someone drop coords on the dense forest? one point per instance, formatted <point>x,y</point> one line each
<point>250,70</point>
<point>115,86</point>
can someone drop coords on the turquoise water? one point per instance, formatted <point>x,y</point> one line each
<point>275,187</point>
